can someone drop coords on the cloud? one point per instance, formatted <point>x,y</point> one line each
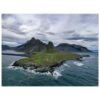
<point>10,36</point>
<point>12,44</point>
<point>59,28</point>
<point>83,38</point>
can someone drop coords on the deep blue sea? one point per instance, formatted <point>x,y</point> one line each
<point>71,73</point>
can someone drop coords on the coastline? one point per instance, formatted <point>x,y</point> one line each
<point>44,69</point>
<point>46,66</point>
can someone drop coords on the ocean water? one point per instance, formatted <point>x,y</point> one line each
<point>71,73</point>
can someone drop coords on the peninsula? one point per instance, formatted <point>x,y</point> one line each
<point>44,62</point>
<point>43,57</point>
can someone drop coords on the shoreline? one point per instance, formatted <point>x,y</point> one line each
<point>48,65</point>
<point>37,69</point>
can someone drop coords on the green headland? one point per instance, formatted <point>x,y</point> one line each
<point>43,57</point>
<point>45,61</point>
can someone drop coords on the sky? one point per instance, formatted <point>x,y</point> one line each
<point>81,29</point>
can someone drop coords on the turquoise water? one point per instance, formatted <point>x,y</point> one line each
<point>71,73</point>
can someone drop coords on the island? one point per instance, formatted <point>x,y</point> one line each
<point>44,62</point>
<point>42,57</point>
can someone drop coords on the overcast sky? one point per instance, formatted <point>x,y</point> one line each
<point>81,29</point>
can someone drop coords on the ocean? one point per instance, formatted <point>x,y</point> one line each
<point>71,73</point>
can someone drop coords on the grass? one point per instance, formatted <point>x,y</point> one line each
<point>47,59</point>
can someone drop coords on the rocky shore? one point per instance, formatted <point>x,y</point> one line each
<point>46,62</point>
<point>42,69</point>
<point>38,68</point>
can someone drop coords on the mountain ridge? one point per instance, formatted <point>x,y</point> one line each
<point>35,45</point>
<point>65,47</point>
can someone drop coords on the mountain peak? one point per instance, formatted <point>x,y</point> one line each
<point>33,38</point>
<point>35,45</point>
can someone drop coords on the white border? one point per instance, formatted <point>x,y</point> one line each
<point>49,6</point>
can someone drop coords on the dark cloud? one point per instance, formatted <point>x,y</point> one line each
<point>83,38</point>
<point>69,31</point>
<point>4,16</point>
<point>50,33</point>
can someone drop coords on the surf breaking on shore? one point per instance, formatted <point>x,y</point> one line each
<point>56,73</point>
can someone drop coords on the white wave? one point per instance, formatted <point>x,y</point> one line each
<point>10,67</point>
<point>65,64</point>
<point>34,72</point>
<point>45,73</point>
<point>78,63</point>
<point>30,71</point>
<point>19,68</point>
<point>56,74</point>
<point>15,68</point>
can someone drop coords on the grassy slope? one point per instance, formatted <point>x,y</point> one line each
<point>47,59</point>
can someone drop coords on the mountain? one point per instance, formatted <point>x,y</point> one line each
<point>5,47</point>
<point>65,47</point>
<point>35,45</point>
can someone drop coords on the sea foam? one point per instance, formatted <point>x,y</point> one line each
<point>56,74</point>
<point>78,63</point>
<point>34,72</point>
<point>65,64</point>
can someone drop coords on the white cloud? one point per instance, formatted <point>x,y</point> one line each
<point>8,21</point>
<point>50,27</point>
<point>10,34</point>
<point>10,43</point>
<point>26,28</point>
